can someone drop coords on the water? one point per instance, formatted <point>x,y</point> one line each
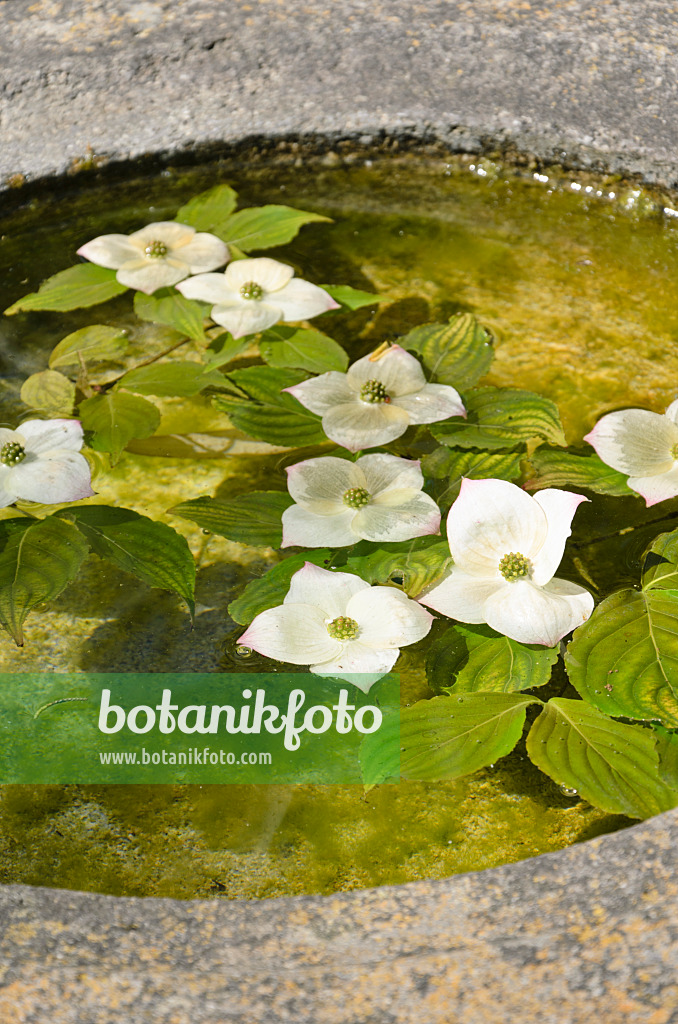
<point>578,290</point>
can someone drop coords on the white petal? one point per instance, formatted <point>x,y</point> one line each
<point>387,618</point>
<point>489,519</point>
<point>538,615</point>
<point>461,596</point>
<point>319,484</point>
<point>635,441</point>
<point>329,591</point>
<point>323,392</point>
<point>7,493</point>
<point>210,288</point>
<point>432,403</point>
<point>301,300</point>
<point>305,529</point>
<point>656,488</point>
<point>559,508</point>
<point>110,251</point>
<point>168,231</point>
<point>148,275</point>
<point>363,425</point>
<point>249,318</point>
<point>672,412</point>
<point>415,517</point>
<point>384,472</point>
<point>204,252</point>
<point>269,274</point>
<point>52,478</point>
<point>49,435</point>
<point>398,371</point>
<point>362,666</point>
<point>291,632</point>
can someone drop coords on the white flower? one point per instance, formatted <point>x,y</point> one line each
<point>506,546</point>
<point>254,294</point>
<point>376,399</point>
<point>158,255</point>
<point>338,625</point>
<point>41,462</point>
<point>377,498</point>
<point>644,445</point>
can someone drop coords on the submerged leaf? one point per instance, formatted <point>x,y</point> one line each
<point>84,285</point>
<point>457,353</point>
<point>253,518</point>
<point>50,392</point>
<point>94,344</point>
<point>176,378</point>
<point>115,418</point>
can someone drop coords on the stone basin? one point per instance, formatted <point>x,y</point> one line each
<point>584,933</point>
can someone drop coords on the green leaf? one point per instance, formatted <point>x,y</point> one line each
<point>176,378</point>
<point>660,562</point>
<point>353,298</point>
<point>501,418</point>
<point>612,765</point>
<point>553,468</point>
<point>262,227</point>
<point>302,348</point>
<point>271,415</point>
<point>36,563</point>
<point>380,752</point>
<point>115,418</point>
<point>413,563</point>
<point>447,737</point>
<point>666,746</point>
<point>207,211</point>
<point>457,353</point>
<point>50,392</point>
<point>451,466</point>
<point>224,349</point>
<point>168,306</point>
<point>83,285</point>
<point>475,658</point>
<point>269,590</point>
<point>151,551</point>
<point>95,344</point>
<point>253,518</point>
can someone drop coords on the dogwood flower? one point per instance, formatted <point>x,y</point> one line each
<point>157,256</point>
<point>339,626</point>
<point>254,294</point>
<point>376,399</point>
<point>506,546</point>
<point>377,498</point>
<point>644,445</point>
<point>41,461</point>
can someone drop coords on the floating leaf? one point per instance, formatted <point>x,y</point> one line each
<point>83,285</point>
<point>207,211</point>
<point>353,298</point>
<point>447,737</point>
<point>168,306</point>
<point>95,344</point>
<point>612,765</point>
<point>115,418</point>
<point>262,227</point>
<point>473,658</point>
<point>151,551</point>
<point>50,392</point>
<point>269,590</point>
<point>451,466</point>
<point>553,468</point>
<point>270,415</point>
<point>380,752</point>
<point>302,348</point>
<point>501,418</point>
<point>175,378</point>
<point>226,349</point>
<point>36,563</point>
<point>666,746</point>
<point>457,353</point>
<point>253,518</point>
<point>660,563</point>
<point>413,563</point>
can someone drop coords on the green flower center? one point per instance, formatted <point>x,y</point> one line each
<point>674,452</point>
<point>251,290</point>
<point>514,566</point>
<point>343,628</point>
<point>156,250</point>
<point>12,453</point>
<point>357,497</point>
<point>374,391</point>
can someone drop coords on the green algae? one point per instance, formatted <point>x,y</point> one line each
<point>577,289</point>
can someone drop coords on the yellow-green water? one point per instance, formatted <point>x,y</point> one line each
<point>579,291</point>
